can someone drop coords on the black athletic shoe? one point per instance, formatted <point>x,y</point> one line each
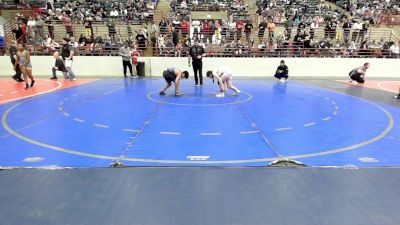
<point>15,78</point>
<point>32,83</point>
<point>20,80</point>
<point>162,93</point>
<point>26,86</point>
<point>53,78</point>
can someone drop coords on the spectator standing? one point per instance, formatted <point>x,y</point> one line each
<point>247,30</point>
<point>125,52</point>
<point>141,40</point>
<point>394,50</point>
<point>314,25</point>
<point>271,30</point>
<point>39,26</point>
<point>239,28</point>
<point>261,30</point>
<point>346,29</point>
<point>163,26</point>
<point>196,53</point>
<point>356,30</point>
<point>363,31</point>
<point>175,37</point>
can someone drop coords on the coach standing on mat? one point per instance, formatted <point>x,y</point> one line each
<point>196,52</point>
<point>67,53</point>
<point>14,61</point>
<point>125,52</point>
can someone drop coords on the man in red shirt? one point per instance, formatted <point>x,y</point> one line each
<point>206,29</point>
<point>239,28</point>
<point>185,27</point>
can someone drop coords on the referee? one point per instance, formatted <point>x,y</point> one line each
<point>196,52</point>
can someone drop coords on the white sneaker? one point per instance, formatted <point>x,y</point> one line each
<point>282,80</point>
<point>237,93</point>
<point>354,82</point>
<point>220,95</point>
<point>197,85</point>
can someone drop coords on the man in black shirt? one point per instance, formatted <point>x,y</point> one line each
<point>358,74</point>
<point>141,40</point>
<point>67,53</point>
<point>59,66</point>
<point>14,61</point>
<point>196,52</point>
<point>282,72</point>
<point>247,30</point>
<point>261,30</point>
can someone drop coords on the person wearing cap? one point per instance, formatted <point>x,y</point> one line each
<point>196,52</point>
<point>282,72</point>
<point>125,52</point>
<point>357,75</point>
<point>173,74</point>
<point>223,75</point>
<point>67,53</point>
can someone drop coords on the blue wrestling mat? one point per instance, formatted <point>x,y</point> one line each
<point>127,121</point>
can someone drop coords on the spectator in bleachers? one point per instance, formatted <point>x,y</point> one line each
<point>394,50</point>
<point>39,26</point>
<point>175,37</point>
<point>261,30</point>
<point>141,40</point>
<point>247,30</point>
<point>163,26</point>
<point>271,29</point>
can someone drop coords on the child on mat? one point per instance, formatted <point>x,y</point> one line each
<point>358,74</point>
<point>224,76</point>
<point>60,66</point>
<point>173,75</point>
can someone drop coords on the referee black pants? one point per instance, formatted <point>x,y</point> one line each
<point>127,64</point>
<point>198,68</point>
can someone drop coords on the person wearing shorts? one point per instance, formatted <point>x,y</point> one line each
<point>24,62</point>
<point>173,75</point>
<point>224,77</point>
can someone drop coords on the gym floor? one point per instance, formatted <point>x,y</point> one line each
<point>99,122</point>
